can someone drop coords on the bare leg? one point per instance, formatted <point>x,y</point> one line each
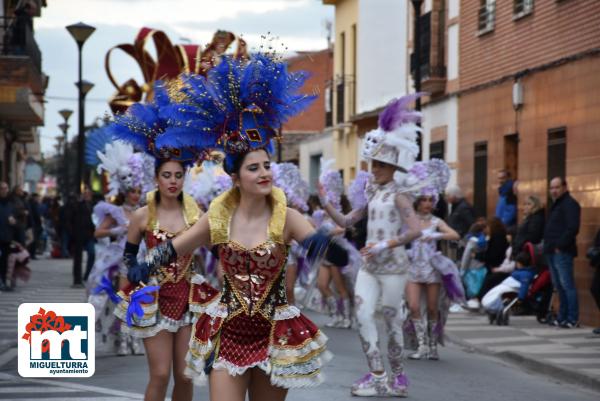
<point>323,280</point>
<point>291,273</point>
<point>338,281</point>
<point>224,387</point>
<point>433,297</point>
<point>262,389</point>
<point>159,351</point>
<point>183,388</point>
<point>413,297</point>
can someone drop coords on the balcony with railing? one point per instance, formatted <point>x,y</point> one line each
<point>432,65</point>
<point>18,40</point>
<point>22,82</point>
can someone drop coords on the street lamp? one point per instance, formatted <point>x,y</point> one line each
<point>64,127</point>
<point>417,67</point>
<point>80,32</point>
<point>86,86</point>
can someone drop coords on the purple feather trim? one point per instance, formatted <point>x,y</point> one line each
<point>453,290</point>
<point>397,113</point>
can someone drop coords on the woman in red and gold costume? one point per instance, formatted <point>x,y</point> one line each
<point>247,338</point>
<point>156,307</point>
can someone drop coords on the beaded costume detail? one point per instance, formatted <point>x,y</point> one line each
<point>169,309</point>
<point>250,324</point>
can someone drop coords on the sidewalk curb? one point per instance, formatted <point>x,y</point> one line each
<point>532,364</point>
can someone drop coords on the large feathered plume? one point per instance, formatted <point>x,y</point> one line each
<point>238,106</point>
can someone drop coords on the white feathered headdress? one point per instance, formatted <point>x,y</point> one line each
<point>206,183</point>
<point>126,169</point>
<point>395,140</point>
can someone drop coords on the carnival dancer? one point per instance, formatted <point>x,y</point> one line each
<point>159,312</point>
<point>392,223</point>
<point>126,178</point>
<point>340,309</point>
<point>424,279</point>
<point>247,337</point>
<point>287,177</point>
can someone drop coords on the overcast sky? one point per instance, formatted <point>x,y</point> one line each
<point>300,24</point>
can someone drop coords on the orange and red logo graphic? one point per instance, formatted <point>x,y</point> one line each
<point>44,321</point>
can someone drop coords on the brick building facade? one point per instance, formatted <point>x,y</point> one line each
<point>528,102</point>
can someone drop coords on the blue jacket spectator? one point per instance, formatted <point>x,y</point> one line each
<point>506,208</point>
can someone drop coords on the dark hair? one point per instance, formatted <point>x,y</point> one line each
<point>313,203</point>
<point>563,180</point>
<point>523,258</point>
<point>496,227</point>
<point>419,200</point>
<point>233,163</point>
<point>158,163</point>
<point>119,199</point>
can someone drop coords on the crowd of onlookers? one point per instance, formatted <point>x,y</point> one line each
<point>30,226</point>
<point>499,254</point>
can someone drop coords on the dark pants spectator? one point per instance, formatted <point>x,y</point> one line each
<point>595,288</point>
<point>90,249</point>
<point>561,270</point>
<point>491,280</point>
<point>4,252</point>
<point>64,244</point>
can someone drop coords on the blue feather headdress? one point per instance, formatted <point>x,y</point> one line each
<point>148,129</point>
<point>238,107</point>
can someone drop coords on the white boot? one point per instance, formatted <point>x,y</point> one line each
<point>345,322</point>
<point>433,341</point>
<point>123,348</point>
<point>422,350</point>
<point>333,312</point>
<point>137,346</point>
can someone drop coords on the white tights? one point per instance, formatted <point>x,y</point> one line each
<point>371,287</point>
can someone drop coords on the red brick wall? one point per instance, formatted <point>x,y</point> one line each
<point>554,30</point>
<point>563,96</point>
<point>320,67</point>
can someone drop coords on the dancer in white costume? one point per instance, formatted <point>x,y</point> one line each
<point>127,178</point>
<point>424,279</point>
<point>392,223</point>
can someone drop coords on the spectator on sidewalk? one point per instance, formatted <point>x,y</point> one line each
<point>21,214</point>
<point>532,227</point>
<point>36,224</point>
<point>462,216</point>
<point>7,224</point>
<point>495,254</point>
<point>84,227</point>
<point>560,248</point>
<point>64,225</point>
<point>506,208</point>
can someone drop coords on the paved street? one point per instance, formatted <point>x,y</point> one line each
<point>460,375</point>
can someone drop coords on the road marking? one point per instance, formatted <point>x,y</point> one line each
<point>573,360</point>
<point>8,356</point>
<point>23,389</point>
<point>482,328</point>
<point>488,340</point>
<point>76,386</point>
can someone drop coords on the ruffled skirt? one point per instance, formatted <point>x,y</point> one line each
<point>167,310</point>
<point>289,348</point>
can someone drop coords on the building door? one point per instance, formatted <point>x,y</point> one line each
<point>511,155</point>
<point>314,171</point>
<point>480,174</point>
<point>557,155</point>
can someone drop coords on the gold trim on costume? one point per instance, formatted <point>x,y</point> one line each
<point>221,210</point>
